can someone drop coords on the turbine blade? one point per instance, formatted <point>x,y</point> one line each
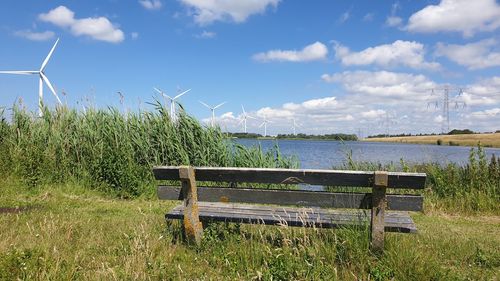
<point>241,121</point>
<point>168,97</point>
<point>46,80</point>
<point>219,105</point>
<point>244,112</point>
<point>181,94</point>
<point>44,64</point>
<point>262,124</point>
<point>22,72</point>
<point>158,90</point>
<point>251,117</point>
<point>206,105</point>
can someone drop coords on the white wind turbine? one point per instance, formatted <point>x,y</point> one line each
<point>212,121</point>
<point>265,125</point>
<point>43,78</point>
<point>173,101</point>
<point>294,126</point>
<point>244,118</point>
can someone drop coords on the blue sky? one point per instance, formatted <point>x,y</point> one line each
<point>334,66</point>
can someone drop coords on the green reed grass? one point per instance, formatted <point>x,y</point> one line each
<point>110,150</point>
<point>470,188</point>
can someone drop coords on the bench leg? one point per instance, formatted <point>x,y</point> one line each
<point>379,203</point>
<point>193,228</point>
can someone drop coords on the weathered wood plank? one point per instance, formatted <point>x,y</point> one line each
<point>310,213</point>
<point>295,197</point>
<point>294,176</point>
<point>394,221</point>
<point>301,214</point>
<point>193,228</point>
<point>379,203</point>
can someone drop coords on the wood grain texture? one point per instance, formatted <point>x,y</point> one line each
<point>351,200</point>
<point>193,228</point>
<point>379,203</point>
<point>294,176</point>
<point>307,217</point>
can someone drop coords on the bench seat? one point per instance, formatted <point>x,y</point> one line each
<point>377,211</point>
<point>395,221</point>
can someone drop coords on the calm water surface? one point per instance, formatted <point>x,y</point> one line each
<point>326,154</point>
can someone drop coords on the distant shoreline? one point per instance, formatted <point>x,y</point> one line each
<point>273,138</point>
<point>486,140</point>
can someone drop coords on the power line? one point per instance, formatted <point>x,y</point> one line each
<point>445,124</point>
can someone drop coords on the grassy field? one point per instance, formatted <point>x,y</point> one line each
<point>69,232</point>
<point>488,140</point>
<point>77,202</point>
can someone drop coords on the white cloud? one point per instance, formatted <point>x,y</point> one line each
<point>476,55</point>
<point>393,21</point>
<point>313,52</point>
<point>151,4</point>
<point>486,114</point>
<point>384,84</point>
<point>483,92</point>
<point>486,87</point>
<point>344,17</point>
<point>381,101</point>
<point>374,113</point>
<point>368,17</point>
<point>313,107</point>
<point>134,35</point>
<point>35,36</point>
<point>99,28</point>
<point>273,113</point>
<point>347,117</point>
<point>474,99</point>
<point>405,53</point>
<point>439,119</point>
<point>465,16</point>
<point>322,115</point>
<point>60,16</point>
<point>228,115</point>
<point>206,35</point>
<point>209,11</point>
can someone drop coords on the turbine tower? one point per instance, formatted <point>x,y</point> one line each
<point>212,121</point>
<point>244,118</point>
<point>173,101</point>
<point>43,78</point>
<point>294,126</point>
<point>265,125</point>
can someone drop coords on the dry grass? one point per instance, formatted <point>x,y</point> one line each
<point>487,140</point>
<point>77,234</point>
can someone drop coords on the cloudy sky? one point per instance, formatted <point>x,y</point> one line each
<point>334,66</point>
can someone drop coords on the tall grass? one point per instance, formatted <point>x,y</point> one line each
<point>115,151</point>
<point>108,150</point>
<point>473,187</point>
<point>470,188</point>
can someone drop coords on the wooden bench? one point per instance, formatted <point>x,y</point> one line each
<point>311,208</point>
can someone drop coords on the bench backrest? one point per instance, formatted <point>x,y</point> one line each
<point>362,179</point>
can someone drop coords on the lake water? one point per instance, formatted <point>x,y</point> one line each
<point>326,154</point>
